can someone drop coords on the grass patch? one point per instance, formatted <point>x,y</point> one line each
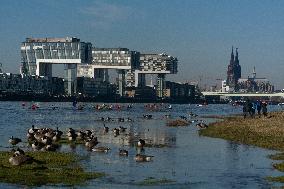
<point>50,168</point>
<point>265,132</point>
<point>177,123</point>
<point>152,181</point>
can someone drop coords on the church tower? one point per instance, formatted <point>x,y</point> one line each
<point>234,70</point>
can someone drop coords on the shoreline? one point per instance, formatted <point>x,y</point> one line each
<point>265,132</point>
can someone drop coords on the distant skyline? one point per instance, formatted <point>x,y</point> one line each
<point>199,33</point>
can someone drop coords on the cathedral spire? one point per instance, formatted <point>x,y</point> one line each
<point>232,54</point>
<point>237,56</point>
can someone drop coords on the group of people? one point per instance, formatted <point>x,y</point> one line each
<point>250,108</point>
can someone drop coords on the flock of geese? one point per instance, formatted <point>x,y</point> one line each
<point>48,139</point>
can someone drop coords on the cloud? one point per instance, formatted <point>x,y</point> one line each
<point>104,14</point>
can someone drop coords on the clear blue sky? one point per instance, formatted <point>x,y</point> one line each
<point>200,33</point>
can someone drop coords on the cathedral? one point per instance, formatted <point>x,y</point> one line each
<point>234,71</point>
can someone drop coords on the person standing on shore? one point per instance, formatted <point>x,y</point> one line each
<point>258,108</point>
<point>264,109</point>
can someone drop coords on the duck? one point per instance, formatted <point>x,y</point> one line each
<point>14,141</point>
<point>143,158</point>
<point>101,149</point>
<point>123,152</point>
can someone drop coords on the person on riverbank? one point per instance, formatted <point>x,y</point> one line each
<point>245,111</point>
<point>264,109</point>
<point>258,108</point>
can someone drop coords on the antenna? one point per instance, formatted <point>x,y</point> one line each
<point>1,70</point>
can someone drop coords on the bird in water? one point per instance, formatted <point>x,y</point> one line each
<point>123,152</point>
<point>101,149</point>
<point>143,158</point>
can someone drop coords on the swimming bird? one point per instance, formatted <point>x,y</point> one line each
<point>123,152</point>
<point>14,141</point>
<point>143,158</point>
<point>106,129</point>
<point>101,149</point>
<point>141,143</point>
<point>90,143</point>
<point>122,129</point>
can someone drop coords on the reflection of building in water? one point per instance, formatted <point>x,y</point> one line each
<point>154,135</point>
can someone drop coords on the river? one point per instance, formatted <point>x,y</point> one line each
<point>180,154</point>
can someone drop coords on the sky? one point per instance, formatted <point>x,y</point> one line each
<point>200,33</point>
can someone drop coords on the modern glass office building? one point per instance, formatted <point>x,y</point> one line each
<point>53,50</point>
<point>38,55</point>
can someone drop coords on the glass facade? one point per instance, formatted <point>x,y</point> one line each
<point>53,48</point>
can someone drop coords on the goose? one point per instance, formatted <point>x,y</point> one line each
<point>81,135</point>
<point>201,125</point>
<point>141,143</point>
<point>101,149</point>
<point>14,141</point>
<point>58,132</point>
<point>129,119</point>
<point>192,114</point>
<point>46,140</point>
<point>116,131</point>
<point>32,130</point>
<point>122,129</point>
<point>106,129</point>
<point>18,151</point>
<point>123,152</point>
<point>37,145</point>
<point>50,147</point>
<point>91,142</point>
<point>19,159</point>
<point>143,158</point>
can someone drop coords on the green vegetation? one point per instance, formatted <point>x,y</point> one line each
<point>265,132</point>
<point>48,168</point>
<point>152,181</point>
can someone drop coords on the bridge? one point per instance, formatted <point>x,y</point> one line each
<point>205,93</point>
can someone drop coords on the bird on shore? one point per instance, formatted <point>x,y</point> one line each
<point>201,125</point>
<point>14,141</point>
<point>19,159</point>
<point>18,151</point>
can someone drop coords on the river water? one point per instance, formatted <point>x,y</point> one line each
<point>180,154</point>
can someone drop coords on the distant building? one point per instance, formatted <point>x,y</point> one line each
<point>234,71</point>
<point>38,55</point>
<point>93,88</point>
<point>254,84</point>
<point>179,90</point>
<point>22,84</point>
